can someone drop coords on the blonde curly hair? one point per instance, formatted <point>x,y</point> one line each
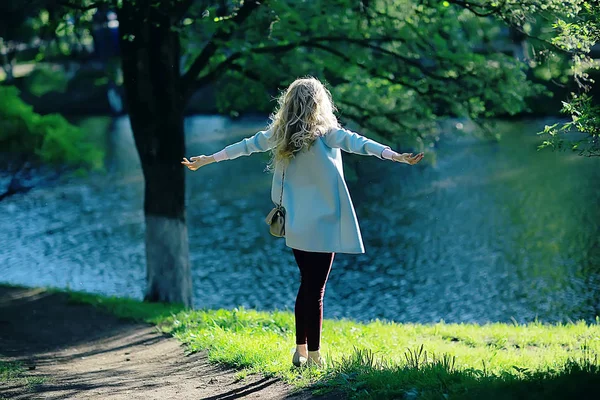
<point>305,111</point>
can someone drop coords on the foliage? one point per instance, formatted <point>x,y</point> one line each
<point>585,116</point>
<point>577,33</point>
<point>395,67</point>
<point>50,138</point>
<point>44,79</point>
<point>390,360</point>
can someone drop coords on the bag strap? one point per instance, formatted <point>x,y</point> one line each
<point>281,196</point>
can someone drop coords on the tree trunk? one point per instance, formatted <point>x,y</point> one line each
<point>150,53</point>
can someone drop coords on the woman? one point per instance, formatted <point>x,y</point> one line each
<point>305,140</point>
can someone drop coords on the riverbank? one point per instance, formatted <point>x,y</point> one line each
<point>377,360</point>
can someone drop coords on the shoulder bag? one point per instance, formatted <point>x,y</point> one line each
<point>276,218</point>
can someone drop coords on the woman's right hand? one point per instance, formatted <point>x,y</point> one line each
<point>197,162</point>
<point>407,158</point>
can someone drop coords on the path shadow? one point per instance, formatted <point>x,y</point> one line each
<point>36,321</point>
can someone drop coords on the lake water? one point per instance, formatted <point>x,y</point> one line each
<point>479,231</point>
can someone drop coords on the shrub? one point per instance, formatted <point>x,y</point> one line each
<point>50,138</point>
<point>44,79</point>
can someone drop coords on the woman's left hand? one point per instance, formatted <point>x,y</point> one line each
<point>407,158</point>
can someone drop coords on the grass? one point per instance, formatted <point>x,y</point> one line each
<point>385,360</point>
<point>15,372</point>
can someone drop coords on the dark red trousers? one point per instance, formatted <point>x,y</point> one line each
<point>314,271</point>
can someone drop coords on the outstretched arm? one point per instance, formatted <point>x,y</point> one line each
<point>256,143</point>
<point>352,142</point>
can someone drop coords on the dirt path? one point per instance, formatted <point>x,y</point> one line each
<point>87,354</point>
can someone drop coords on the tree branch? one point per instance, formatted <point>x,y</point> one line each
<point>182,8</point>
<point>281,48</point>
<point>472,7</point>
<point>315,42</point>
<point>215,73</point>
<point>530,36</point>
<point>370,71</point>
<point>391,116</point>
<point>497,10</point>
<point>363,120</point>
<point>79,7</point>
<point>212,46</point>
<point>247,73</point>
<point>407,60</point>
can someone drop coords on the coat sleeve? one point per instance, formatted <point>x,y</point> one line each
<point>352,142</point>
<point>256,143</point>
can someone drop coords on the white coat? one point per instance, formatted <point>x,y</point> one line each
<point>320,216</point>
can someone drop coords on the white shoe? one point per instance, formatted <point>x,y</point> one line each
<point>298,360</point>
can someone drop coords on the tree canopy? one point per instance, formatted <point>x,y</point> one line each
<point>394,67</point>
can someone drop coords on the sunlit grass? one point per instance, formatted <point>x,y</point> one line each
<point>389,360</point>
